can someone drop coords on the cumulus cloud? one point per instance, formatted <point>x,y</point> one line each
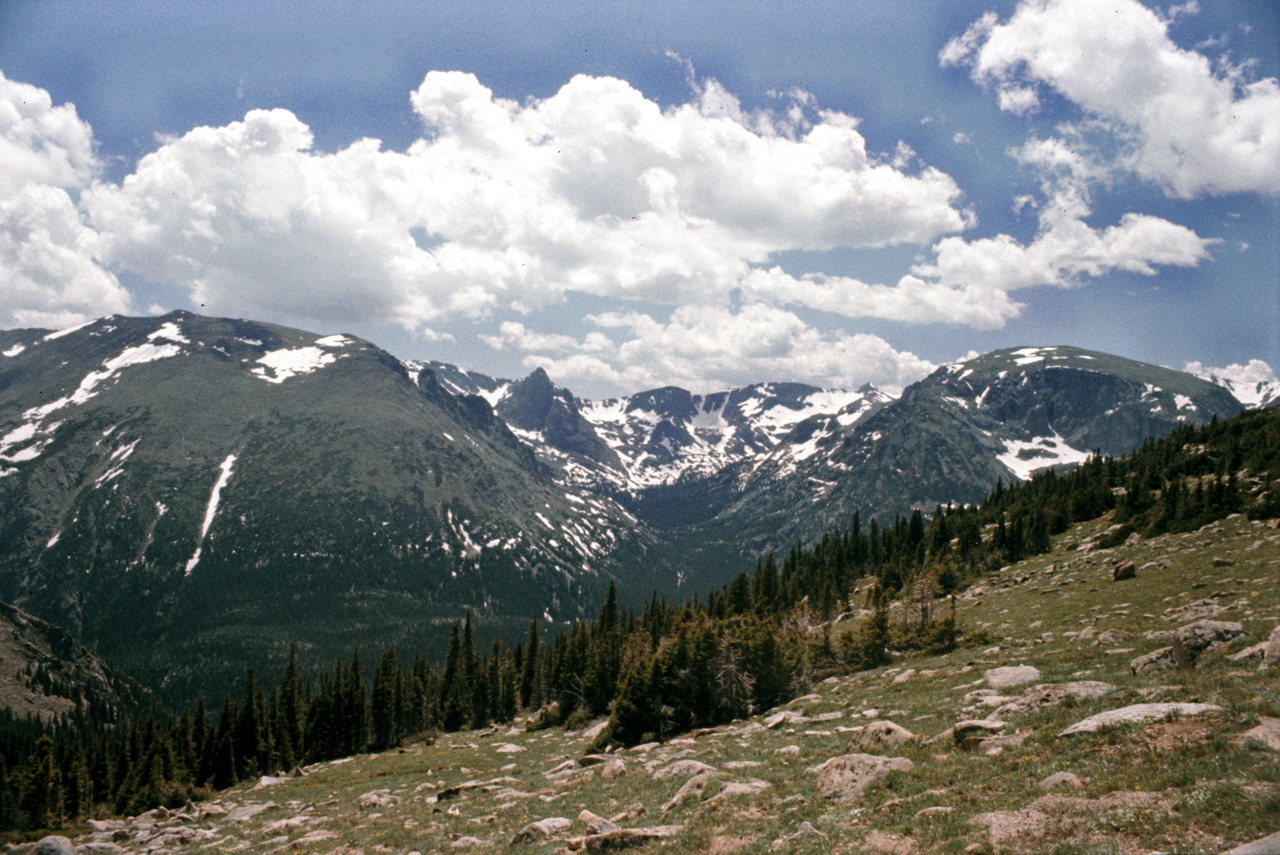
<point>971,281</point>
<point>595,189</point>
<point>1181,123</point>
<point>705,348</point>
<point>1253,384</point>
<point>47,272</point>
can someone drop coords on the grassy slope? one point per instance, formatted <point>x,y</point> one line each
<point>1190,785</point>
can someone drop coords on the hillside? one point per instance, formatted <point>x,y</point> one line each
<point>983,765</point>
<point>46,673</point>
<point>212,488</point>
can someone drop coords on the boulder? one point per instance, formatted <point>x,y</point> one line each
<point>623,838</point>
<point>844,779</point>
<point>1111,637</point>
<point>1161,658</point>
<point>881,737</point>
<point>54,845</point>
<point>596,824</point>
<point>1203,636</point>
<point>1271,653</point>
<point>692,789</point>
<point>739,788</point>
<point>1013,675</point>
<point>1051,694</point>
<point>682,769</point>
<point>541,829</point>
<point>1136,713</point>
<point>1061,781</point>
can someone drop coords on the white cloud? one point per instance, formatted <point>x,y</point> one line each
<point>705,348</point>
<point>970,281</point>
<point>1253,384</point>
<point>1181,124</point>
<point>47,273</point>
<point>595,189</point>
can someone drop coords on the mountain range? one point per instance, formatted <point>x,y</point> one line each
<point>190,494</point>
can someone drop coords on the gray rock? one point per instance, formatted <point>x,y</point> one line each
<point>1161,658</point>
<point>54,845</point>
<point>1013,675</point>
<point>1051,694</point>
<point>881,737</point>
<point>1136,713</point>
<point>1112,637</point>
<point>1061,781</point>
<point>1195,639</point>
<point>1268,845</point>
<point>1271,655</point>
<point>624,838</point>
<point>682,769</point>
<point>543,828</point>
<point>692,789</point>
<point>844,779</point>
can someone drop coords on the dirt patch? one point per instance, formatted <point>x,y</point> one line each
<point>726,843</point>
<point>1165,736</point>
<point>890,844</point>
<point>1067,818</point>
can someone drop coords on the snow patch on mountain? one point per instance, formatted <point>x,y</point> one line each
<point>1025,458</point>
<point>292,362</point>
<point>1255,384</point>
<point>15,350</point>
<point>223,478</point>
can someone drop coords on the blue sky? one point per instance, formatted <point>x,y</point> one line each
<point>634,194</point>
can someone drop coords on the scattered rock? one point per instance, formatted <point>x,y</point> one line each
<point>1051,694</point>
<point>467,843</point>
<point>1061,781</point>
<point>375,799</point>
<point>1222,562</point>
<point>905,675</point>
<point>1111,637</point>
<point>1136,713</point>
<point>1271,655</point>
<point>1160,658</point>
<point>1195,639</point>
<point>632,811</point>
<point>1013,675</point>
<point>509,748</point>
<point>843,779</point>
<point>970,728</point>
<point>596,824</point>
<point>623,838</point>
<point>54,845</point>
<point>543,828</point>
<point>739,788</point>
<point>1124,570</point>
<point>788,750</point>
<point>692,789</point>
<point>615,768</point>
<point>804,832</point>
<point>1267,731</point>
<point>682,769</point>
<point>880,737</point>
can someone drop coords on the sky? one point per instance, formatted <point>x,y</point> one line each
<point>632,194</point>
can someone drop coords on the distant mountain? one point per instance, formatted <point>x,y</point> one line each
<point>191,494</point>
<point>1253,394</point>
<point>951,436</point>
<point>216,487</point>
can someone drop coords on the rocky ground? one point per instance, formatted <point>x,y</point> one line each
<point>1117,706</point>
